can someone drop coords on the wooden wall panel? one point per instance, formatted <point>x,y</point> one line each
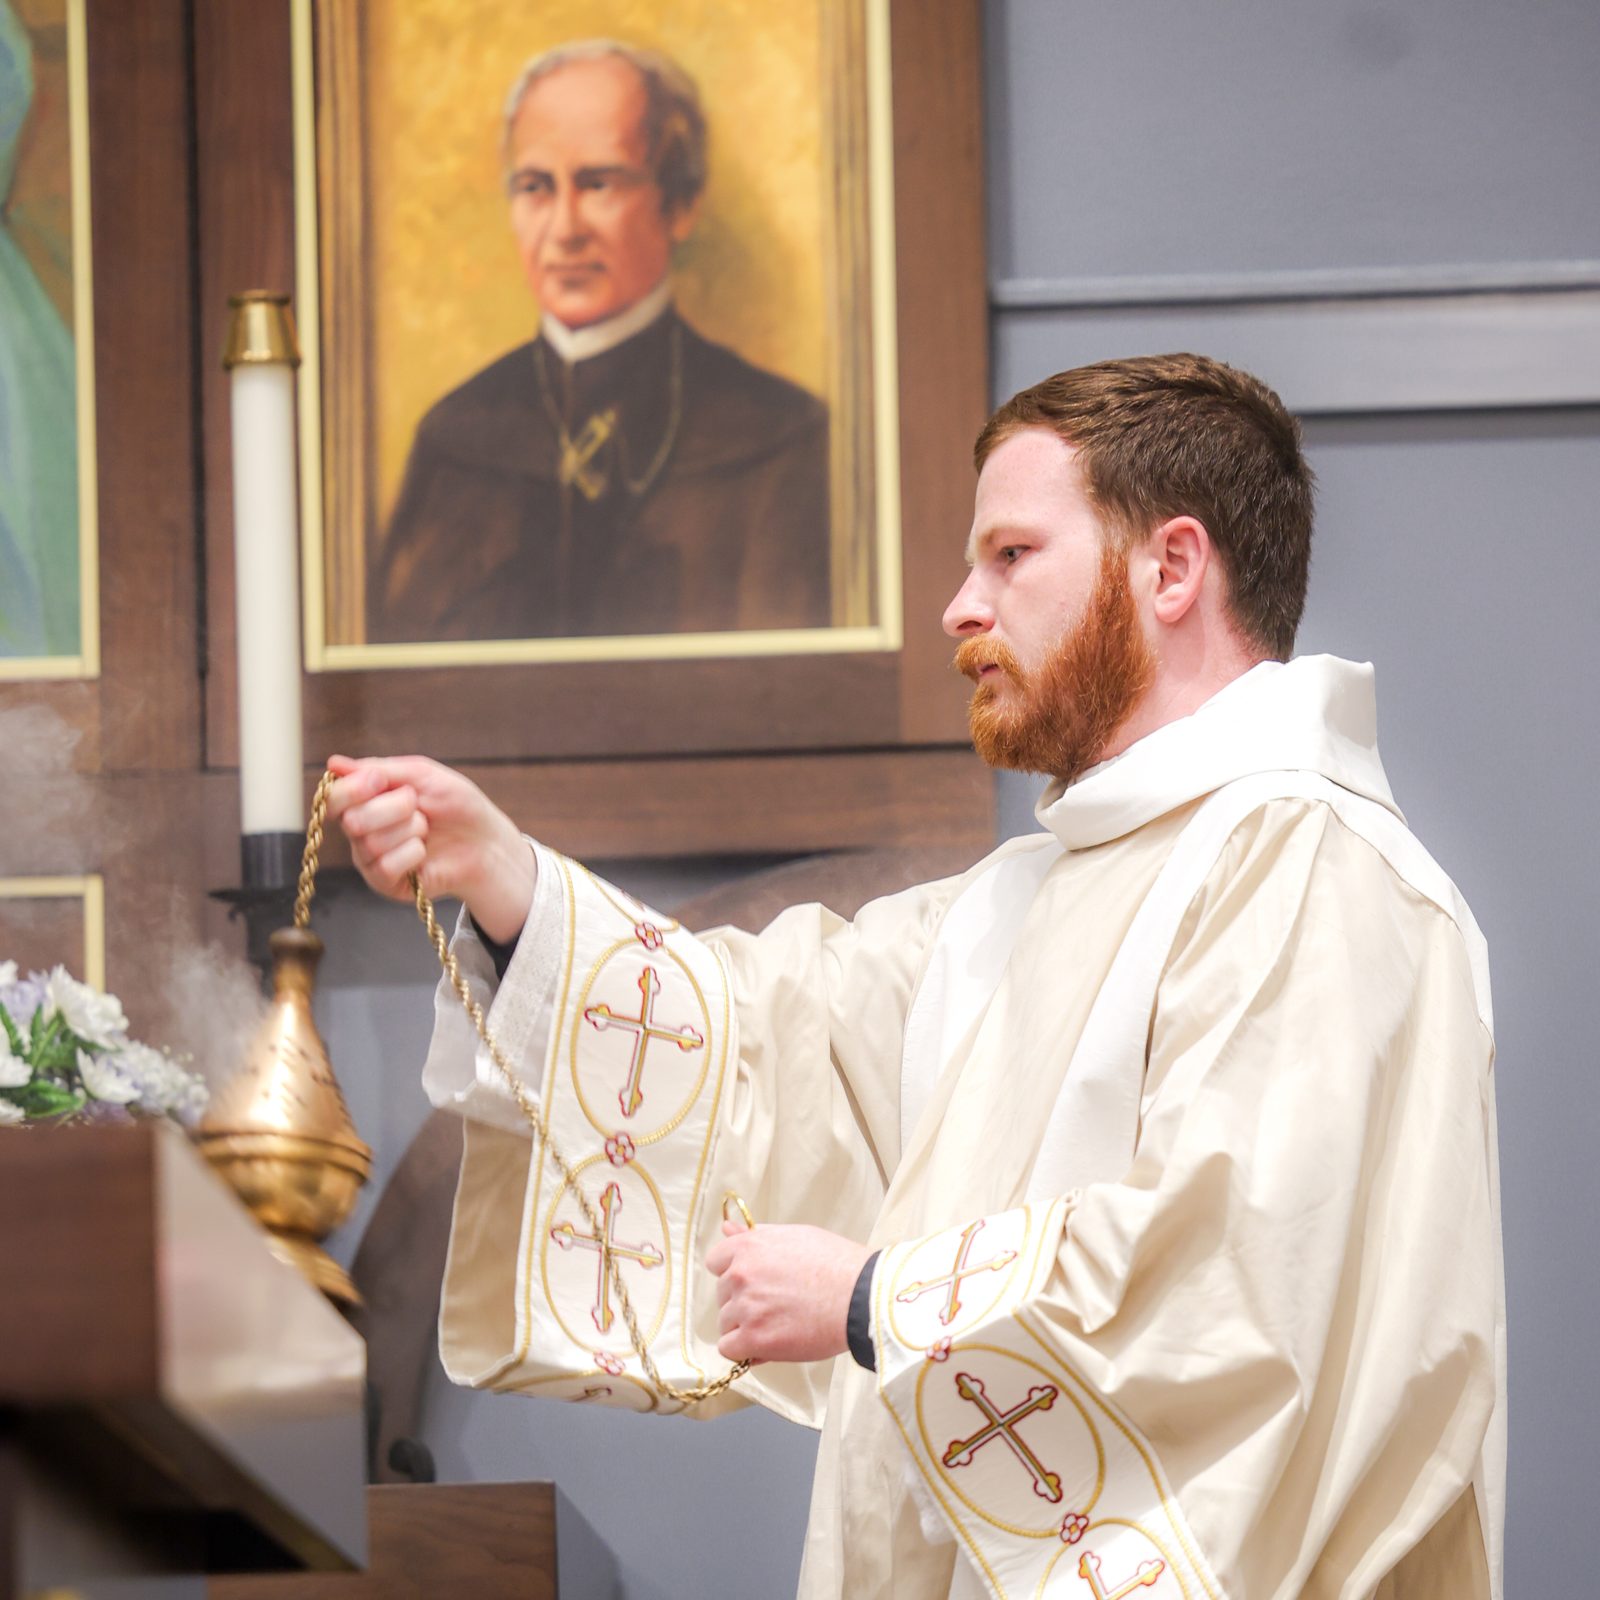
<point>944,384</point>
<point>245,211</point>
<point>143,712</point>
<point>127,801</point>
<point>143,247</point>
<point>554,720</point>
<point>192,200</point>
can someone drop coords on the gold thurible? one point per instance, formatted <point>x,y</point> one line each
<point>279,1130</point>
<point>260,330</point>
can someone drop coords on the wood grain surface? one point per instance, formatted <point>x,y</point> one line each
<point>685,710</point>
<point>80,1306</point>
<point>489,1541</point>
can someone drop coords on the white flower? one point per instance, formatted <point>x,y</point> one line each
<point>8,974</point>
<point>14,1071</point>
<point>10,1113</point>
<point>96,1018</point>
<point>105,1079</point>
<point>160,1085</point>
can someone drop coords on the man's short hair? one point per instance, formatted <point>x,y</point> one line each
<point>674,124</point>
<point>1182,435</point>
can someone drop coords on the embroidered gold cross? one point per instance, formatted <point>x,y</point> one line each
<point>958,1271</point>
<point>605,1247</point>
<point>645,1027</point>
<point>1089,1571</point>
<point>1003,1425</point>
<point>576,454</point>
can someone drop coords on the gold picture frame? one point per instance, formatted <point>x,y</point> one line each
<point>84,662</point>
<point>89,890</point>
<point>340,469</point>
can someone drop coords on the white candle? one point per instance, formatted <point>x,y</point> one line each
<point>267,591</point>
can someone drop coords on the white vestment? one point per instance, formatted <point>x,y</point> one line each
<point>1174,1125</point>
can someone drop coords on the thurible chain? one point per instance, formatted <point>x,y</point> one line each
<point>534,1115</point>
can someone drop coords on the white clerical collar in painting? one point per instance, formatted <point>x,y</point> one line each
<point>579,344</point>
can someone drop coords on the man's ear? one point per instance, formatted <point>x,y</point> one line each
<point>681,220</point>
<point>1179,551</point>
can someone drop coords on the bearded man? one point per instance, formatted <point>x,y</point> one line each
<point>1128,1211</point>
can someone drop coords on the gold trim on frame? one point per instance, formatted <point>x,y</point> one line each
<point>327,81</point>
<point>86,663</point>
<point>91,889</point>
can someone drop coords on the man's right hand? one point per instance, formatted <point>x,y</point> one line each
<point>405,814</point>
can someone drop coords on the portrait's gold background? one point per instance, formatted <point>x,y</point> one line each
<point>447,291</point>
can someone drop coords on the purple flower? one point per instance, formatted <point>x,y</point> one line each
<point>21,997</point>
<point>117,1078</point>
<point>103,1112</point>
<point>147,1079</point>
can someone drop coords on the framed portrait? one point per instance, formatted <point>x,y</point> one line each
<point>598,323</point>
<point>635,452</point>
<point>46,921</point>
<point>49,625</point>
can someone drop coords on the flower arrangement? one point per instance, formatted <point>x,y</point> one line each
<point>65,1056</point>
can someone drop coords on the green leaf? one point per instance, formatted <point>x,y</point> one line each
<point>14,1034</point>
<point>48,1099</point>
<point>59,1056</point>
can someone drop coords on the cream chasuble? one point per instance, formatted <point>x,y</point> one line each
<point>1174,1125</point>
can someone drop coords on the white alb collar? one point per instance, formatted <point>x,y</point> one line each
<point>1313,714</point>
<point>579,344</point>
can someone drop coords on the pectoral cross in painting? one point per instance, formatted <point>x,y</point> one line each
<point>577,455</point>
<point>646,1028</point>
<point>605,1245</point>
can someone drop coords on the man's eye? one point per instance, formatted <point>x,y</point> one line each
<point>1009,553</point>
<point>529,184</point>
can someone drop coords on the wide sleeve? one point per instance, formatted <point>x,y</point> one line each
<point>681,1078</point>
<point>1260,1363</point>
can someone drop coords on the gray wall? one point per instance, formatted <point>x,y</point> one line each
<point>1306,188</point>
<point>1244,179</point>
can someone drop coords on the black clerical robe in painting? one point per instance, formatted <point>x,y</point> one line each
<point>662,486</point>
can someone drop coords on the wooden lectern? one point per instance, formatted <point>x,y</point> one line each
<point>173,1399</point>
<point>489,1541</point>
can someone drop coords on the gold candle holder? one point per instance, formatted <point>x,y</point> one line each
<point>261,331</point>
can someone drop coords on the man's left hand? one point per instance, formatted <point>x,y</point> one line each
<point>784,1290</point>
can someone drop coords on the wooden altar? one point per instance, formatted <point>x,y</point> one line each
<point>173,1399</point>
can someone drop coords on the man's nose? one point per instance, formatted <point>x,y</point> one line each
<point>970,612</point>
<point>568,223</point>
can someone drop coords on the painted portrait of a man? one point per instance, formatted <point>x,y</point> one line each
<point>620,472</point>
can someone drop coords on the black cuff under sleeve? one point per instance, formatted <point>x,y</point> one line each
<point>858,1325</point>
<point>500,954</point>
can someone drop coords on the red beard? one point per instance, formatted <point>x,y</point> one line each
<point>1063,716</point>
